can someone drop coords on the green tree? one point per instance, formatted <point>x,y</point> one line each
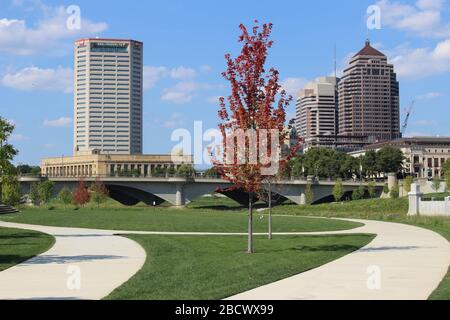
<point>211,173</point>
<point>390,159</point>
<point>46,190</point>
<point>436,184</point>
<point>65,196</point>
<point>395,191</point>
<point>186,171</point>
<point>7,154</point>
<point>369,163</point>
<point>447,180</point>
<point>296,167</point>
<point>309,194</point>
<point>371,189</point>
<point>10,191</point>
<point>171,170</point>
<point>338,190</point>
<point>356,195</point>
<point>99,193</point>
<point>408,182</point>
<point>35,195</point>
<point>446,166</point>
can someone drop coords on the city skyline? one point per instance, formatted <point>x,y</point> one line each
<point>181,86</point>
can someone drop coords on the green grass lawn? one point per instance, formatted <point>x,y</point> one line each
<point>17,246</point>
<point>169,219</point>
<point>192,268</point>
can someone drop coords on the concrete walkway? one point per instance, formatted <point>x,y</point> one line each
<point>403,262</point>
<point>102,261</point>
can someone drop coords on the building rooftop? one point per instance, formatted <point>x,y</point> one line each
<point>107,39</point>
<point>444,141</point>
<point>368,50</point>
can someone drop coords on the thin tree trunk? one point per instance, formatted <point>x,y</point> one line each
<point>270,211</point>
<point>250,224</point>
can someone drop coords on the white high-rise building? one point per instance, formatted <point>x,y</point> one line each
<point>317,112</point>
<point>108,96</point>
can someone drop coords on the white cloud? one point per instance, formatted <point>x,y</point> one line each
<point>292,86</point>
<point>18,137</point>
<point>423,18</point>
<point>48,36</point>
<point>153,74</point>
<point>49,145</point>
<point>430,95</point>
<point>61,122</point>
<point>182,73</point>
<point>37,79</point>
<point>418,63</point>
<point>184,92</point>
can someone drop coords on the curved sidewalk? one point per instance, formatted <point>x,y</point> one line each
<point>403,262</point>
<point>102,260</point>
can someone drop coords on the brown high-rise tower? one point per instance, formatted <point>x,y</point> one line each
<point>369,97</point>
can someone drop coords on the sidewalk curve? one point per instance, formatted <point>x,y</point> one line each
<point>403,262</point>
<point>103,261</point>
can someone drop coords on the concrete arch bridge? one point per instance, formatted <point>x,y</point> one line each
<point>181,191</point>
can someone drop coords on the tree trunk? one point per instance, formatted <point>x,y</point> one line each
<point>250,224</point>
<point>270,211</point>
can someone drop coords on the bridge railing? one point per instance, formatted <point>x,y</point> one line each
<point>196,176</point>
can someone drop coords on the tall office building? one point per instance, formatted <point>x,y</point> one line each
<point>369,97</point>
<point>108,96</point>
<point>316,115</point>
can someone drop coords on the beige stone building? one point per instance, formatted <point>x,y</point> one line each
<point>424,156</point>
<point>108,96</point>
<point>103,165</point>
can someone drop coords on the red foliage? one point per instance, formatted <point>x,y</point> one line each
<point>81,195</point>
<point>257,103</point>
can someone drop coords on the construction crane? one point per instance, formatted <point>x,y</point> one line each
<point>408,112</point>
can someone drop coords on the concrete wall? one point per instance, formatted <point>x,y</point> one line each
<point>418,207</point>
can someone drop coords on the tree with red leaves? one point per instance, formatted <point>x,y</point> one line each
<point>81,195</point>
<point>253,119</point>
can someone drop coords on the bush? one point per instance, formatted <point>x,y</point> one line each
<point>45,190</point>
<point>408,182</point>
<point>186,171</point>
<point>395,192</point>
<point>10,191</point>
<point>338,190</point>
<point>99,193</point>
<point>81,195</point>
<point>436,184</point>
<point>371,189</point>
<point>35,195</point>
<point>386,189</point>
<point>309,194</point>
<point>447,180</point>
<point>358,194</point>
<point>65,196</point>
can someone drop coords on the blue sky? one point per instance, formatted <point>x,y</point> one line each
<point>185,43</point>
